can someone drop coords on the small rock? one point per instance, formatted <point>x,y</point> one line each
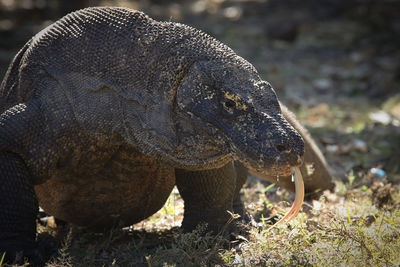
<point>360,145</point>
<point>341,149</point>
<point>323,84</point>
<point>378,173</point>
<point>332,149</point>
<point>380,117</point>
<point>233,12</point>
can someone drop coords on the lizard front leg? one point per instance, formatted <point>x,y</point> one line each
<point>208,196</point>
<point>19,208</point>
<point>241,177</point>
<point>18,202</point>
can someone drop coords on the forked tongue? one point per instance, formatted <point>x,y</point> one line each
<point>298,199</point>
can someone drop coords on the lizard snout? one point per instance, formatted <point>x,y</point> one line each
<point>287,154</point>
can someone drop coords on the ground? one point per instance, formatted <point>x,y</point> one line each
<point>336,65</point>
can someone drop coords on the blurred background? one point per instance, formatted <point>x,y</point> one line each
<point>335,63</point>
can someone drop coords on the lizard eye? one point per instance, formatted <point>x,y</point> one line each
<point>229,103</point>
<point>232,103</point>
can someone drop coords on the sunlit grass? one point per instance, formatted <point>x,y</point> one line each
<point>338,233</point>
<point>341,228</point>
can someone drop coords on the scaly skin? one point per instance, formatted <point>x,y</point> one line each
<point>105,110</point>
<point>314,169</point>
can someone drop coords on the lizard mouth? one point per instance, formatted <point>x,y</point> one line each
<point>276,168</point>
<point>284,170</point>
<point>271,158</point>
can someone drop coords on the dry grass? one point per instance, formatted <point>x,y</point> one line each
<point>336,230</point>
<point>353,226</point>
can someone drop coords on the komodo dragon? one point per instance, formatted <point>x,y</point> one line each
<point>105,110</point>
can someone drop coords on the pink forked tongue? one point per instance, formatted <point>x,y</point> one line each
<point>298,199</point>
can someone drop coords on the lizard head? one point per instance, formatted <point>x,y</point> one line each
<point>227,107</point>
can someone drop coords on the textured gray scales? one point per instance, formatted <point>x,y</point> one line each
<point>105,110</point>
